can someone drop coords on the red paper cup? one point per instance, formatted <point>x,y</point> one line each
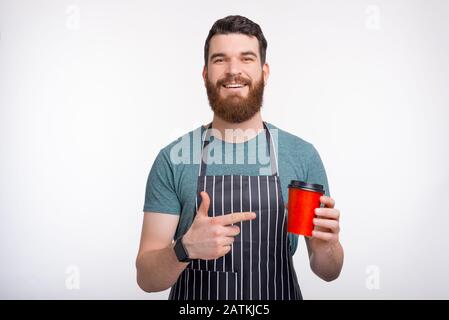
<point>303,199</point>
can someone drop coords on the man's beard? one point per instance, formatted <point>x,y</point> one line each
<point>235,108</point>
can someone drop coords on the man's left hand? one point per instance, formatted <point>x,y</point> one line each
<point>327,222</point>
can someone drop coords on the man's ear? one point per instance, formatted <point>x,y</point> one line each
<point>266,72</point>
<point>205,74</point>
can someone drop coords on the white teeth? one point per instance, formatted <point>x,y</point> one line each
<point>234,86</point>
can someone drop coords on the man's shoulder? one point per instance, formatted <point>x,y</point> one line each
<point>289,140</point>
<point>182,145</point>
<point>297,153</point>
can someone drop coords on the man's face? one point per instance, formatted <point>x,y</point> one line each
<point>234,78</point>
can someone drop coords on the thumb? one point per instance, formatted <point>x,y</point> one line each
<point>205,202</point>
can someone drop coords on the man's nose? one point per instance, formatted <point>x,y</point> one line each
<point>233,67</point>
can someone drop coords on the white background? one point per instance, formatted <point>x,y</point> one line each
<point>91,90</point>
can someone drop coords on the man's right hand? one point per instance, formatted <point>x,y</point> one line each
<point>212,237</point>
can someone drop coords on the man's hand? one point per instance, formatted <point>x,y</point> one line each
<point>327,225</point>
<point>212,237</point>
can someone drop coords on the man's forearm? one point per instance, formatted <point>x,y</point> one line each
<point>158,270</point>
<point>327,259</point>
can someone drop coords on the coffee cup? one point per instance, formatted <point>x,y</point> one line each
<point>303,199</point>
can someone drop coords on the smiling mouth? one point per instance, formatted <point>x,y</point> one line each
<point>234,86</point>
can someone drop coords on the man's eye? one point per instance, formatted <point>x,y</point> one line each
<point>218,60</point>
<point>247,59</point>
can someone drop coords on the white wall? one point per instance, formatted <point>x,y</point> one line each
<point>91,90</point>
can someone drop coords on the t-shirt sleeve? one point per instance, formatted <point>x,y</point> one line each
<point>315,170</point>
<point>160,193</point>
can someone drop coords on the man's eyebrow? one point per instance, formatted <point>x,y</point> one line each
<point>221,55</point>
<point>246,53</point>
<point>215,55</point>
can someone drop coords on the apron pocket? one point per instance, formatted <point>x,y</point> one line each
<point>211,285</point>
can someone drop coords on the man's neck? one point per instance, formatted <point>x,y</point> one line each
<point>238,132</point>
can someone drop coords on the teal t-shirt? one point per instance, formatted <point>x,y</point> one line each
<point>172,181</point>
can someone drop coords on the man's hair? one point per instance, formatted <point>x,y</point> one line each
<point>237,24</point>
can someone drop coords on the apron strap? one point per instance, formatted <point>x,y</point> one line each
<point>270,144</point>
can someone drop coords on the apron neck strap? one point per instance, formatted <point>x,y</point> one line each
<point>270,144</point>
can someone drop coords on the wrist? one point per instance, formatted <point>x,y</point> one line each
<point>188,245</point>
<point>324,246</point>
<point>181,252</point>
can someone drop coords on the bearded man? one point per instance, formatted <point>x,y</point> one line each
<point>215,226</point>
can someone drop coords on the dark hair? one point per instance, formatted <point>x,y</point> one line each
<point>237,24</point>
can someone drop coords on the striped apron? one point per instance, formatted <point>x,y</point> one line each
<point>259,265</point>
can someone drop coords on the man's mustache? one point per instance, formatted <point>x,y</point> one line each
<point>238,79</point>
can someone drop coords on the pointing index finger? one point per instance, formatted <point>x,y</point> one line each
<point>234,217</point>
